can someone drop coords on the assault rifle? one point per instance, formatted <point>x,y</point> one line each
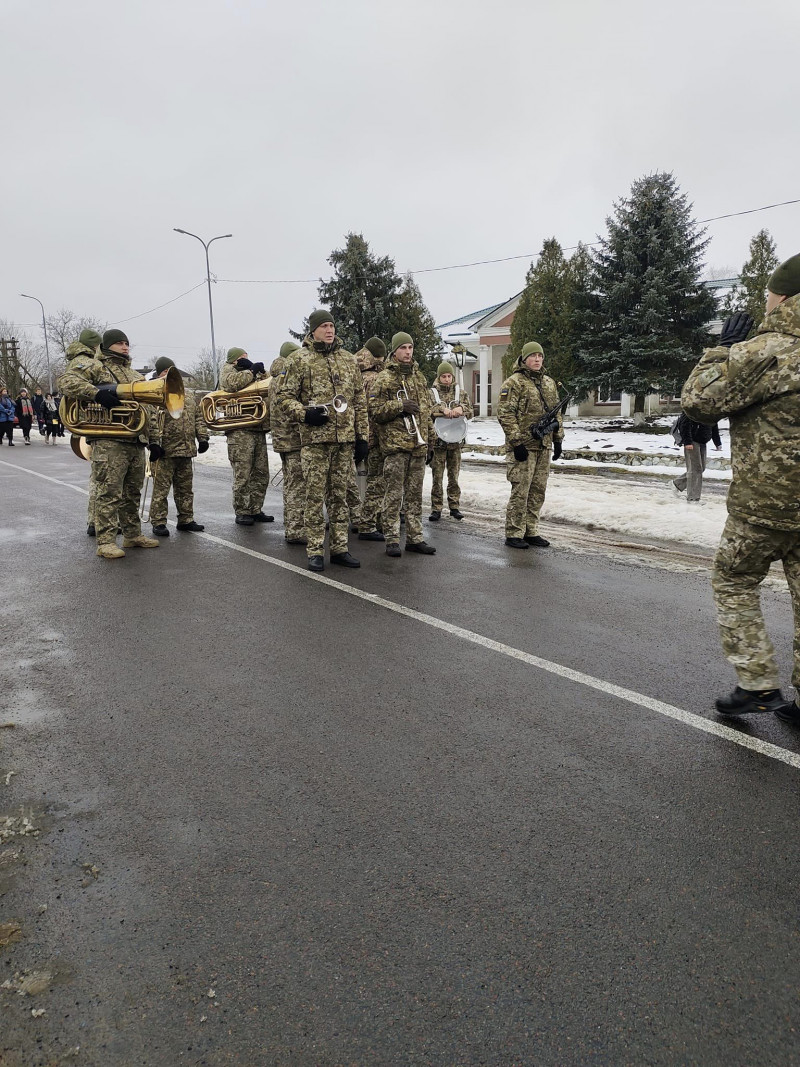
<point>549,421</point>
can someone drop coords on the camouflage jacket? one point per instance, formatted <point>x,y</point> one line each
<point>387,410</point>
<point>756,384</point>
<point>77,349</point>
<point>444,397</point>
<point>285,432</point>
<point>84,373</point>
<point>314,377</point>
<point>370,368</point>
<point>524,398</point>
<point>232,380</point>
<point>178,435</point>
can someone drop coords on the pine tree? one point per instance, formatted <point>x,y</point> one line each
<point>751,293</point>
<point>651,315</point>
<point>363,293</point>
<point>412,316</point>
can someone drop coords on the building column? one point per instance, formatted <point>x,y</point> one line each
<point>483,379</point>
<point>626,403</point>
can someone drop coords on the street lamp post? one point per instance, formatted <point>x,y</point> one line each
<point>205,245</point>
<point>459,354</point>
<point>46,347</point>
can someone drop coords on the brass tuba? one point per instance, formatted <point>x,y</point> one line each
<point>243,410</point>
<point>127,418</point>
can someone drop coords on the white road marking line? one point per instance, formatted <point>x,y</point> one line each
<point>630,696</point>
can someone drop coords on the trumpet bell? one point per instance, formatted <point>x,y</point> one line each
<point>339,404</point>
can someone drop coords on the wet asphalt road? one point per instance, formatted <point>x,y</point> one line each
<point>372,841</point>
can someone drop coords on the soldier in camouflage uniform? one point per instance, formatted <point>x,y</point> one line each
<point>756,384</point>
<point>405,457</point>
<point>449,402</point>
<point>117,462</point>
<point>371,359</point>
<point>247,448</point>
<point>87,344</point>
<point>330,441</point>
<point>524,398</point>
<point>174,471</point>
<point>286,442</point>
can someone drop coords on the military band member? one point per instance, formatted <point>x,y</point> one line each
<point>400,405</point>
<point>87,345</point>
<point>286,442</point>
<point>331,440</point>
<point>247,448</point>
<point>174,470</point>
<point>117,462</point>
<point>524,398</point>
<point>756,384</point>
<point>449,402</point>
<point>371,359</point>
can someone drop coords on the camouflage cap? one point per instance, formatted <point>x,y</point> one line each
<point>163,363</point>
<point>318,318</point>
<point>114,337</point>
<point>532,348</point>
<point>235,353</point>
<point>287,348</point>
<point>90,338</point>
<point>444,368</point>
<point>785,279</point>
<point>401,339</point>
<point>376,346</point>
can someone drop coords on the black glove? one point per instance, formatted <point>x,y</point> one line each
<point>735,329</point>
<point>243,364</point>
<point>410,407</point>
<point>202,447</point>
<point>520,453</point>
<point>107,395</point>
<point>429,458</point>
<point>556,450</point>
<point>156,453</point>
<point>316,416</point>
<point>258,368</point>
<point>361,450</point>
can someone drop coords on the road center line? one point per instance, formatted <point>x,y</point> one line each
<point>630,696</point>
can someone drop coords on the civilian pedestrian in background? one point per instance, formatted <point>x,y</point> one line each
<point>38,404</point>
<point>25,414</point>
<point>7,416</point>
<point>52,421</point>
<point>694,437</point>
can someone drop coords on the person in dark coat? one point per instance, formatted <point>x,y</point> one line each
<point>25,414</point>
<point>694,436</point>
<point>52,420</point>
<point>38,404</point>
<point>7,416</point>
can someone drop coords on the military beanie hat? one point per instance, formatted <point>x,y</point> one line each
<point>90,338</point>
<point>317,318</point>
<point>376,347</point>
<point>164,363</point>
<point>785,280</point>
<point>531,349</point>
<point>235,353</point>
<point>444,368</point>
<point>287,348</point>
<point>113,337</point>
<point>401,339</point>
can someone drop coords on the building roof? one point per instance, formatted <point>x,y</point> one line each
<point>473,316</point>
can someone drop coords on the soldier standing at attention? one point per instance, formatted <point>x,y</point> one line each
<point>87,344</point>
<point>247,448</point>
<point>286,442</point>
<point>756,384</point>
<point>524,398</point>
<point>174,470</point>
<point>117,462</point>
<point>405,454</point>
<point>449,402</point>
<point>371,359</point>
<point>330,440</point>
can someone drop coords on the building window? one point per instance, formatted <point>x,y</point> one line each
<point>476,392</point>
<point>606,395</point>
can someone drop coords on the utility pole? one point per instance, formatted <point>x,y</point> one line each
<point>9,365</point>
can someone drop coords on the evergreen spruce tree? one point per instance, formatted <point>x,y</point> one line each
<point>363,293</point>
<point>651,316</point>
<point>412,315</point>
<point>751,293</point>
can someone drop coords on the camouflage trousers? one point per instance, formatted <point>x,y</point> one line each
<point>118,470</point>
<point>404,473</point>
<point>451,459</point>
<point>376,487</point>
<point>172,472</point>
<point>294,495</point>
<point>326,470</point>
<point>247,453</point>
<point>740,566</point>
<point>528,485</point>
<point>92,497</point>
<point>353,495</point>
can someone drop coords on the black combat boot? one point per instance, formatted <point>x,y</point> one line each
<point>517,542</point>
<point>190,527</point>
<point>90,531</point>
<point>261,517</point>
<point>789,713</point>
<point>244,520</point>
<point>422,547</point>
<point>393,549</point>
<point>160,530</point>
<point>434,516</point>
<point>750,701</point>
<point>456,514</point>
<point>344,559</point>
<point>316,563</point>
<point>371,535</point>
<point>540,542</point>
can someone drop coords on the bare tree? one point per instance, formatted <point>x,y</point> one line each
<point>30,355</point>
<point>206,369</point>
<point>65,326</point>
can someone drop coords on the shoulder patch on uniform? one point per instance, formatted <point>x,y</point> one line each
<point>503,393</point>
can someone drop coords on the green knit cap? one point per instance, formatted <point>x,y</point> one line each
<point>235,353</point>
<point>90,338</point>
<point>113,337</point>
<point>401,339</point>
<point>287,348</point>
<point>444,368</point>
<point>317,318</point>
<point>785,280</point>
<point>531,349</point>
<point>164,363</point>
<point>376,346</point>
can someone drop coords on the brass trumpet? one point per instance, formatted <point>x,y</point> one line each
<point>339,405</point>
<point>243,410</point>
<point>127,418</point>
<point>410,421</point>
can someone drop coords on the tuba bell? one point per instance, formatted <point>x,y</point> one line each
<point>243,410</point>
<point>127,418</point>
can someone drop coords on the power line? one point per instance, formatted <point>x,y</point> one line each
<point>172,301</point>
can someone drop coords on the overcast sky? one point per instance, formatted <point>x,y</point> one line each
<point>445,131</point>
